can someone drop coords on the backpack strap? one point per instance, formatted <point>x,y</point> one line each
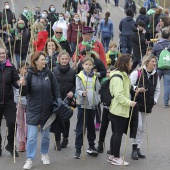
<point>117,75</point>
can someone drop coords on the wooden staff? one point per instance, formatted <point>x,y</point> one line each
<point>84,120</point>
<point>21,48</point>
<point>9,37</point>
<point>128,130</point>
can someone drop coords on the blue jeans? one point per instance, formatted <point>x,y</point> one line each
<point>126,44</point>
<point>17,56</point>
<point>166,76</point>
<point>105,42</point>
<point>73,48</point>
<point>32,141</point>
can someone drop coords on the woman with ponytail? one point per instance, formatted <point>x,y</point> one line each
<point>106,30</point>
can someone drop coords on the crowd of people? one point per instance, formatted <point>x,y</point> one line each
<point>69,64</point>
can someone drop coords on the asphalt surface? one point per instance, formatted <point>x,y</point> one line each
<point>158,157</point>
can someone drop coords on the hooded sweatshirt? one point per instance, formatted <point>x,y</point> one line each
<point>41,40</point>
<point>125,26</point>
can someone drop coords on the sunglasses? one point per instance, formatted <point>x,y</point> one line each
<point>58,32</point>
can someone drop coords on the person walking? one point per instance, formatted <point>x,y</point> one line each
<point>8,79</point>
<point>150,85</point>
<point>42,88</point>
<point>120,106</point>
<point>106,31</point>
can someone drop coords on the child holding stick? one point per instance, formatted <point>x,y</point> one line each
<point>21,105</point>
<point>87,88</point>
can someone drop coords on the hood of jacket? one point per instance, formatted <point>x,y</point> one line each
<point>129,19</point>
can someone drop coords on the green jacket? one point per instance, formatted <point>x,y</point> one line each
<point>120,89</point>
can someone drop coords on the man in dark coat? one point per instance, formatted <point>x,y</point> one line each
<point>21,32</point>
<point>125,28</point>
<point>138,40</point>
<point>8,15</point>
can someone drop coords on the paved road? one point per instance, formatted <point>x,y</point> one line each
<point>158,157</point>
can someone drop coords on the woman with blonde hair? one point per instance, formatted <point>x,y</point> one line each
<point>52,49</point>
<point>41,38</point>
<point>148,87</point>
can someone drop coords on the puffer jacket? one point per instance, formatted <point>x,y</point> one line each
<point>8,78</point>
<point>66,78</point>
<point>41,92</point>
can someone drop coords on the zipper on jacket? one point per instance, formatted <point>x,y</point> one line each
<point>42,98</point>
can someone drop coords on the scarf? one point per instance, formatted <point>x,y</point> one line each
<point>113,53</point>
<point>89,43</point>
<point>28,16</point>
<point>59,40</point>
<point>91,74</point>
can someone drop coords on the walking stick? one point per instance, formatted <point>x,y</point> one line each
<point>84,119</point>
<point>9,36</point>
<point>21,47</point>
<point>128,130</point>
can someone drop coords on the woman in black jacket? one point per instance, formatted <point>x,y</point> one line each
<point>41,87</point>
<point>8,79</point>
<point>65,76</point>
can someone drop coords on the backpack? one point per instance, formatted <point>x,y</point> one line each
<point>106,97</point>
<point>164,58</point>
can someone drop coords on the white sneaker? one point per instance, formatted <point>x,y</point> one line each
<point>28,164</point>
<point>45,159</point>
<point>119,161</point>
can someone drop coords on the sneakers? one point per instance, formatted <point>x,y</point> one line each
<point>64,143</point>
<point>11,150</point>
<point>92,151</point>
<point>119,161</point>
<point>97,127</point>
<point>21,147</point>
<point>45,159</point>
<point>166,106</point>
<point>110,159</point>
<point>77,153</point>
<point>28,164</point>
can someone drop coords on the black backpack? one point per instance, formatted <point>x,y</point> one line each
<point>106,97</point>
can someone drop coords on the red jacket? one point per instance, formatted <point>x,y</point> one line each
<point>72,32</point>
<point>98,48</point>
<point>41,40</point>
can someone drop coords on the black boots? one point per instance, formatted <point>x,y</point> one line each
<point>134,154</point>
<point>57,144</point>
<point>100,147</point>
<point>10,149</point>
<point>139,154</point>
<point>64,143</point>
<point>77,153</point>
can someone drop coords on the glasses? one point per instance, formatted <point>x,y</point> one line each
<point>58,32</point>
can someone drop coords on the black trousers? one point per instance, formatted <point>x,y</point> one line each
<point>89,123</point>
<point>65,133</point>
<point>119,128</point>
<point>104,125</point>
<point>9,112</point>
